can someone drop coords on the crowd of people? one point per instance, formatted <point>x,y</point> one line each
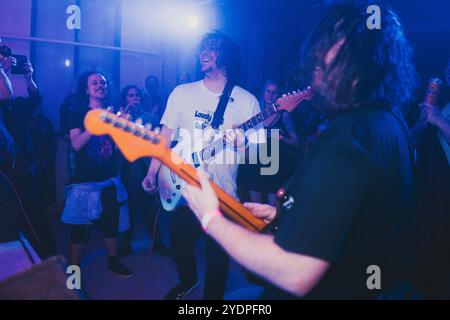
<point>362,178</point>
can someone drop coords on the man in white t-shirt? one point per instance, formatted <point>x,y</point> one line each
<point>190,108</point>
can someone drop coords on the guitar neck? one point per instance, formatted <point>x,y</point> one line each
<point>260,117</point>
<point>228,205</point>
<point>136,142</point>
<point>215,147</point>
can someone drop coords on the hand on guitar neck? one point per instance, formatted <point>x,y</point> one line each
<point>203,201</point>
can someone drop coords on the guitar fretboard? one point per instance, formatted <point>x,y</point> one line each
<point>217,146</point>
<point>260,117</point>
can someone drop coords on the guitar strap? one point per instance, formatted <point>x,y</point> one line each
<point>223,102</point>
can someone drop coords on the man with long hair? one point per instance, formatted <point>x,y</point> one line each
<point>191,108</point>
<point>343,233</point>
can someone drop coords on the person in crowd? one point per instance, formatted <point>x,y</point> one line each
<point>24,168</point>
<point>95,192</point>
<point>183,78</point>
<point>140,203</point>
<point>191,107</point>
<point>7,151</point>
<point>16,110</point>
<point>154,98</point>
<point>431,134</point>
<point>10,209</point>
<point>262,188</point>
<point>346,210</point>
<point>131,105</point>
<point>6,61</point>
<point>42,139</point>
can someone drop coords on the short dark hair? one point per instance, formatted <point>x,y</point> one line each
<point>228,52</point>
<point>372,68</point>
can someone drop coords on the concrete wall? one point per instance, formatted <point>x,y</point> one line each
<point>108,23</point>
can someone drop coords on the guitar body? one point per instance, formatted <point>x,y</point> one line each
<point>170,184</point>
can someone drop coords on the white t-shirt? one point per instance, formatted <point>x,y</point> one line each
<point>191,107</point>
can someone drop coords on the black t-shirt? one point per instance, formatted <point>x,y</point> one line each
<point>351,205</point>
<point>96,161</point>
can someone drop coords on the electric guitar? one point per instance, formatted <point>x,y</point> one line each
<point>136,141</point>
<point>170,184</point>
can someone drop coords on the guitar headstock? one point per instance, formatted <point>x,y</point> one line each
<point>133,139</point>
<point>290,101</point>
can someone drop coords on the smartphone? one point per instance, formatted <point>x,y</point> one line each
<point>20,67</point>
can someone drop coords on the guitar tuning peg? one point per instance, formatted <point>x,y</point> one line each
<point>148,126</point>
<point>139,121</point>
<point>157,130</point>
<point>118,113</point>
<point>109,109</point>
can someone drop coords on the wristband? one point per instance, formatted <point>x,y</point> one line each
<point>208,217</point>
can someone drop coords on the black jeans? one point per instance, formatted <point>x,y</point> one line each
<point>185,230</point>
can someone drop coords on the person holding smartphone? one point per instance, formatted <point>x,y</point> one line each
<point>7,149</point>
<point>5,84</point>
<point>15,112</point>
<point>432,207</point>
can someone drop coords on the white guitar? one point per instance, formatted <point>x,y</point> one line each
<point>170,184</point>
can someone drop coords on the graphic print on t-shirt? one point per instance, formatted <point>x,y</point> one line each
<point>202,120</point>
<point>99,149</point>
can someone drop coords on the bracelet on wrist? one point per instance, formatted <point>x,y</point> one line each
<point>208,217</point>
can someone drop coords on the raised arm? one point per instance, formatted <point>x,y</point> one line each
<point>6,90</point>
<point>28,76</point>
<point>435,117</point>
